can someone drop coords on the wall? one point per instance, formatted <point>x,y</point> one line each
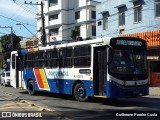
<point>152,37</point>
<point>66,19</point>
<point>148,23</point>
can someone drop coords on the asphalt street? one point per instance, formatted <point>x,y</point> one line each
<point>60,106</point>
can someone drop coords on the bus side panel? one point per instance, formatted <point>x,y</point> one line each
<point>29,74</point>
<point>114,91</point>
<point>64,86</point>
<point>59,86</point>
<point>88,85</point>
<point>55,85</point>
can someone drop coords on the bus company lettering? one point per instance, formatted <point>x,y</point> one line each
<point>58,73</point>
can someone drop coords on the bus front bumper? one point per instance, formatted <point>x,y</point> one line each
<point>114,91</point>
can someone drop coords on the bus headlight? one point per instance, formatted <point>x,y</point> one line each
<point>118,85</point>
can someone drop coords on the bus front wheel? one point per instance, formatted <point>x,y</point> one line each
<point>31,89</point>
<point>80,93</point>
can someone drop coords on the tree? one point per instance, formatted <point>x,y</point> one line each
<point>75,33</point>
<point>7,46</point>
<point>2,64</point>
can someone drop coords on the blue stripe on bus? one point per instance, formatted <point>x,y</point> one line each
<point>114,91</point>
<point>59,85</point>
<point>65,86</point>
<point>22,52</point>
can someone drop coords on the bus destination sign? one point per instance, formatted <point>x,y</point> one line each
<point>128,43</point>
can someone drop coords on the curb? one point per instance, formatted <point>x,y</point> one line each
<point>38,106</point>
<point>44,109</point>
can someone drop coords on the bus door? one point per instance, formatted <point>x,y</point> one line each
<point>100,70</point>
<point>19,72</point>
<point>16,71</point>
<point>13,70</point>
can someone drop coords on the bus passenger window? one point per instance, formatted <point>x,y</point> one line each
<point>66,57</point>
<point>51,58</point>
<point>13,61</point>
<point>82,56</point>
<point>28,60</point>
<point>39,59</point>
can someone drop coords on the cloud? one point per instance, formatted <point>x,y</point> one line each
<point>8,7</point>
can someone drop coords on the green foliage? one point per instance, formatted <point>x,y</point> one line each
<point>6,44</point>
<point>75,32</point>
<point>2,64</point>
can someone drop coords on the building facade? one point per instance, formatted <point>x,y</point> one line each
<point>117,17</point>
<point>62,16</point>
<point>137,18</point>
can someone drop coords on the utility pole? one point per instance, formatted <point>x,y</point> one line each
<point>11,34</point>
<point>43,36</point>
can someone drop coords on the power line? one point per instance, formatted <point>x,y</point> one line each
<point>17,20</point>
<point>23,10</point>
<point>15,16</point>
<point>3,33</point>
<point>26,8</point>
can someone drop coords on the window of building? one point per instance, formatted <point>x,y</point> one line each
<point>53,2</point>
<point>77,15</point>
<point>53,17</point>
<point>99,23</point>
<point>157,8</point>
<point>93,30</point>
<point>105,20</point>
<point>122,15</point>
<point>66,57</point>
<point>52,58</point>
<point>54,32</point>
<point>82,56</point>
<point>137,12</point>
<point>93,14</point>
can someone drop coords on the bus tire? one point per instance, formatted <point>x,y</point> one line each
<point>31,89</point>
<point>80,93</point>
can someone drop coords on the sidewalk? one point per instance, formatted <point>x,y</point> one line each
<point>13,107</point>
<point>155,91</point>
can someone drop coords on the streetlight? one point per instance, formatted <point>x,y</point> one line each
<point>28,30</point>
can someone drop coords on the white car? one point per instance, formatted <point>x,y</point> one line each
<point>5,78</point>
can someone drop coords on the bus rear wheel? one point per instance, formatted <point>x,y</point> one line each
<point>31,88</point>
<point>80,93</point>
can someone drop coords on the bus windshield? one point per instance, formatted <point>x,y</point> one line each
<point>130,62</point>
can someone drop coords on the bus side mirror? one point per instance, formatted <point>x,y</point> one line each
<point>110,54</point>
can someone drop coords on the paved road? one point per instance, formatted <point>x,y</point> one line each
<point>94,108</point>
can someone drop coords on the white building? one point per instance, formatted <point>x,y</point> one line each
<point>62,16</point>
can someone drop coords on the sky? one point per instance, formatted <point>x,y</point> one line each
<point>14,12</point>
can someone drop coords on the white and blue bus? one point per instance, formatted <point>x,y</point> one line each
<point>104,67</point>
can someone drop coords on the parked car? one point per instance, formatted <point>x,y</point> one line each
<point>5,78</point>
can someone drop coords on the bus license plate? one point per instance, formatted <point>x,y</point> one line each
<point>135,92</point>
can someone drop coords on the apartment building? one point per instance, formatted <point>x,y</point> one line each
<point>117,17</point>
<point>138,18</point>
<point>62,16</point>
